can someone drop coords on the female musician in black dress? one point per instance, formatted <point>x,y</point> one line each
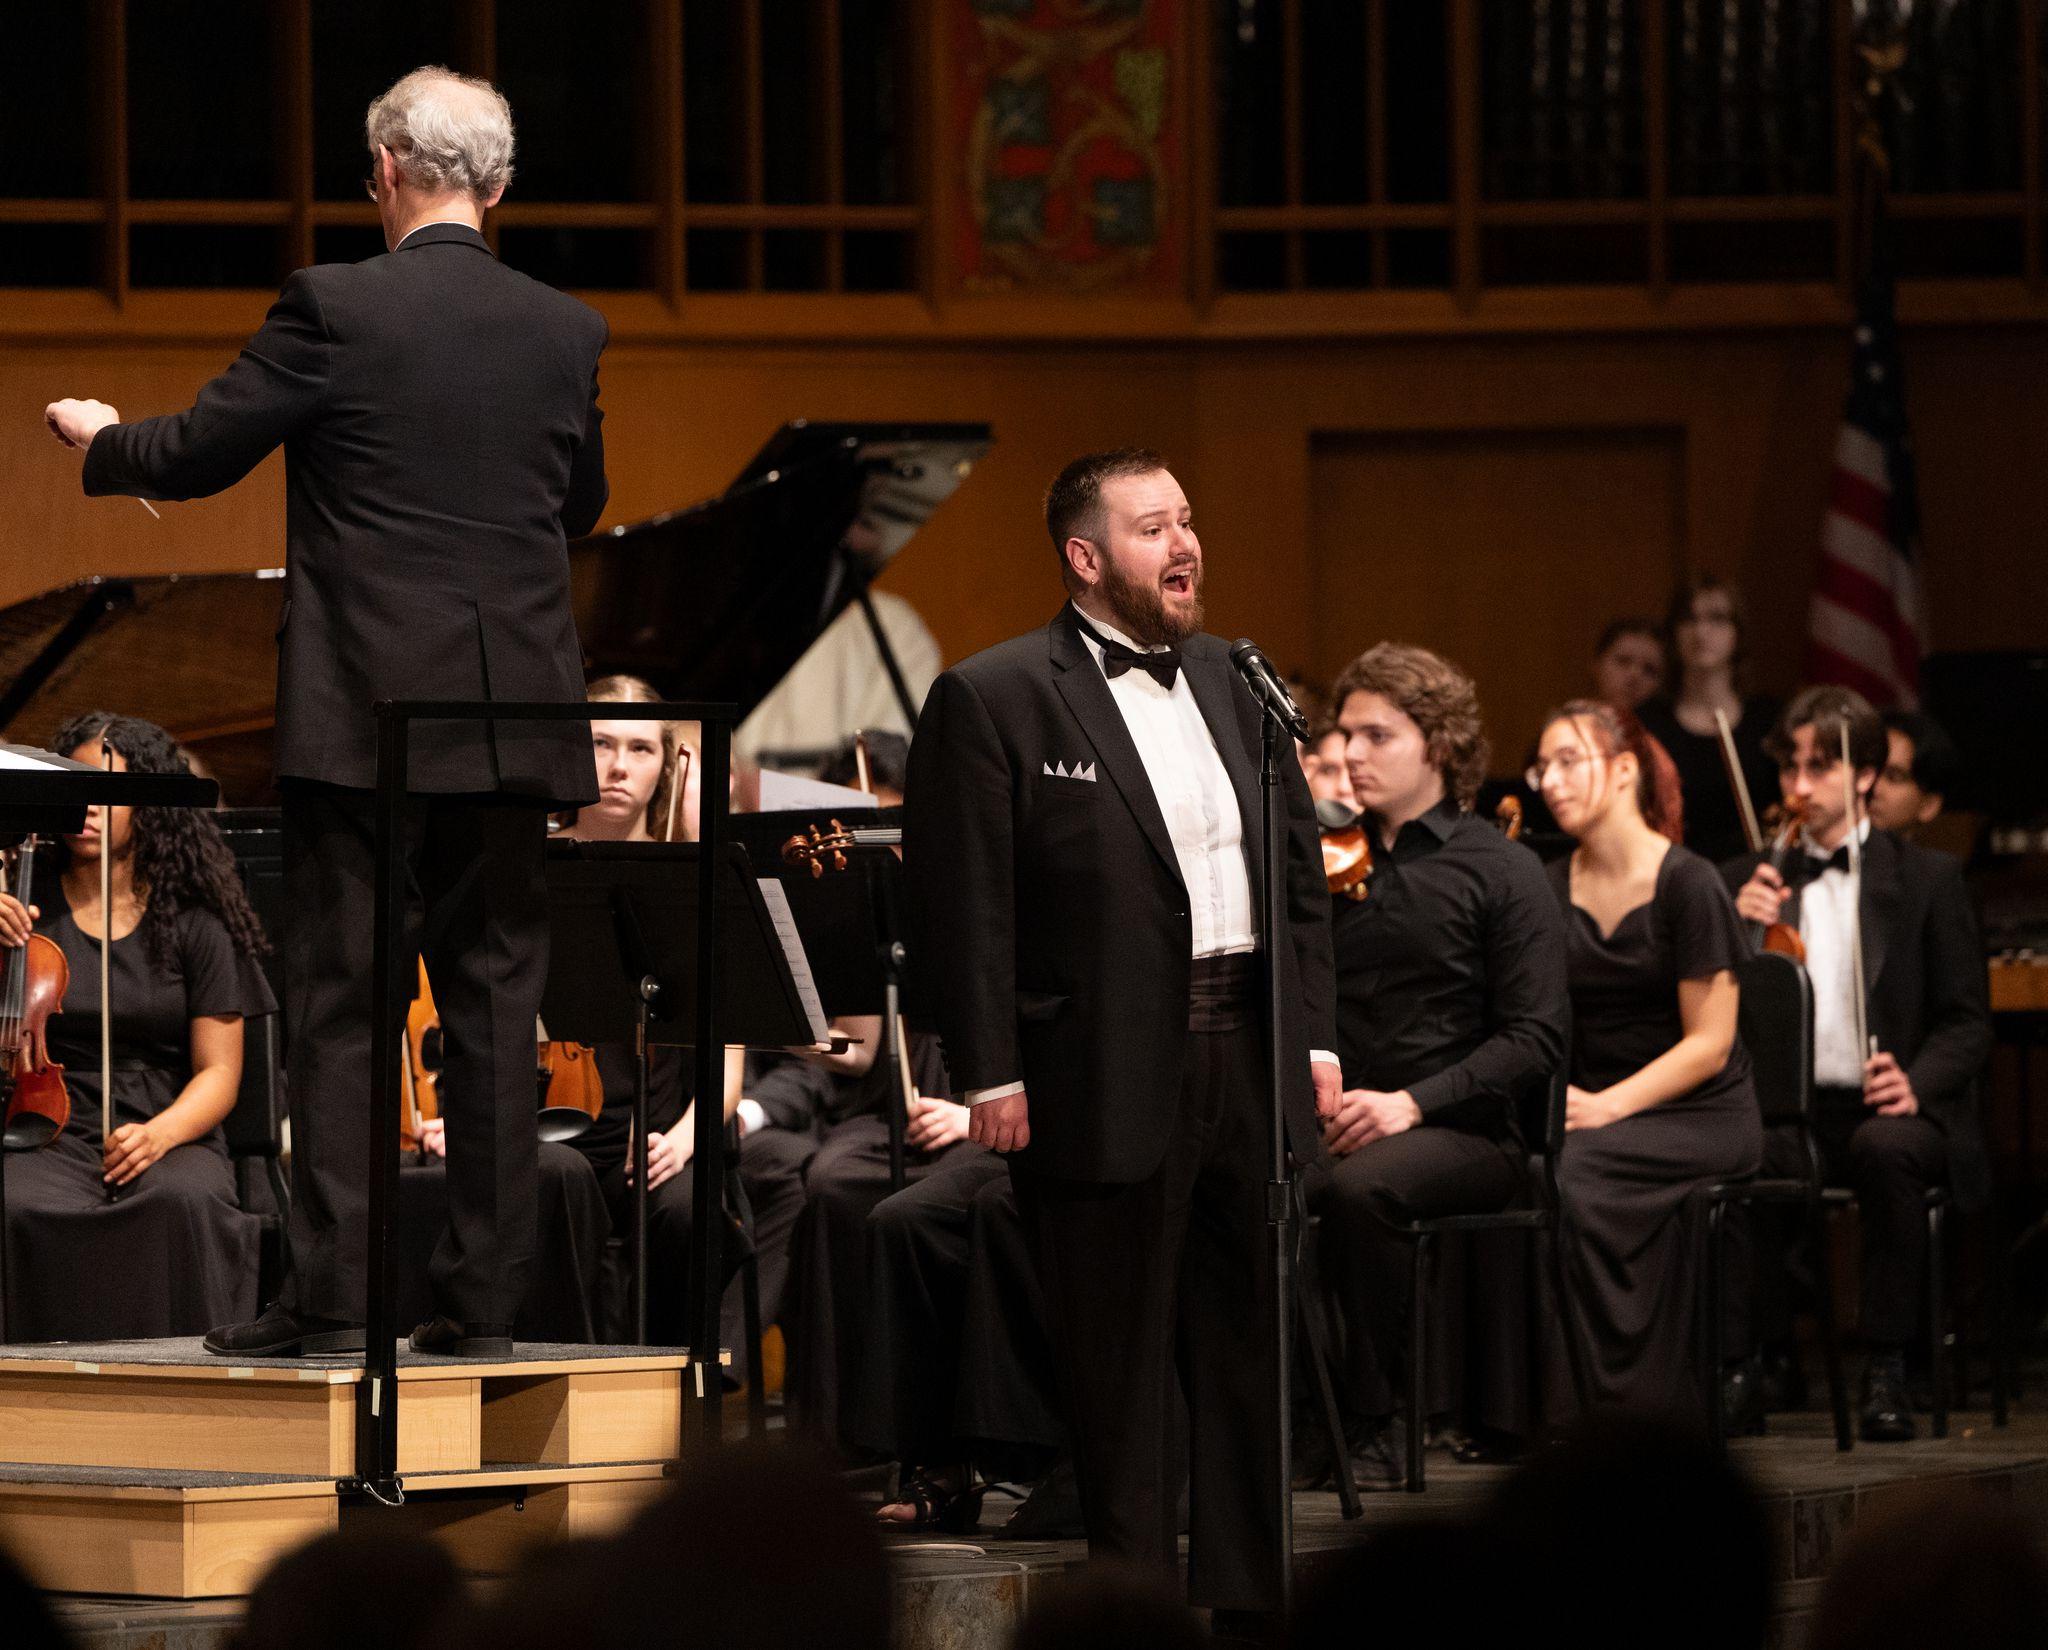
<point>1704,625</point>
<point>169,1252</point>
<point>1660,1101</point>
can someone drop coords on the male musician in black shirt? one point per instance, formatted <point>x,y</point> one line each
<point>1451,1004</point>
<point>439,418</point>
<point>1083,817</point>
<point>1898,1115</point>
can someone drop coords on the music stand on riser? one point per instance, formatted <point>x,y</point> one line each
<point>622,968</point>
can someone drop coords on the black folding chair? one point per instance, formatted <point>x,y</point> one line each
<point>1543,1121</point>
<point>1776,1026</point>
<point>255,1135</point>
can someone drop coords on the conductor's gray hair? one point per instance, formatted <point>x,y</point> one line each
<point>447,132</point>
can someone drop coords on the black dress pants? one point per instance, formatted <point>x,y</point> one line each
<point>1174,1270</point>
<point>476,907</point>
<point>826,1317</point>
<point>1419,1175</point>
<point>1890,1163</point>
<point>956,1365</point>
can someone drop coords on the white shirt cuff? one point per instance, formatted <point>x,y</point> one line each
<point>1323,1057</point>
<point>751,1116</point>
<point>974,1097</point>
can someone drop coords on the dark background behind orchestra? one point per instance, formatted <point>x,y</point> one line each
<point>1445,347</point>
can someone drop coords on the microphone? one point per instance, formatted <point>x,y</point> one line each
<point>1266,687</point>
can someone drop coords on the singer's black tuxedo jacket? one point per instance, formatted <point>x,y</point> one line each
<point>1050,922</point>
<point>438,413</point>
<point>1929,993</point>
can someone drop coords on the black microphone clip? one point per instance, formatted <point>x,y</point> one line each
<point>1266,687</point>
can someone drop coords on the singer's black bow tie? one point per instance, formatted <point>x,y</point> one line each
<point>1162,666</point>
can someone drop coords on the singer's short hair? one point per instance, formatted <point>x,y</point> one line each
<point>1073,503</point>
<point>1437,697</point>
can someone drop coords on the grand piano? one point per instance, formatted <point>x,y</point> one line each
<point>714,601</point>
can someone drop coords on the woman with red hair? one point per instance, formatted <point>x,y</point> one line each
<point>1660,1101</point>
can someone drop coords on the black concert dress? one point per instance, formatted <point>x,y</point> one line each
<point>1713,818</point>
<point>173,1254</point>
<point>1630,1238</point>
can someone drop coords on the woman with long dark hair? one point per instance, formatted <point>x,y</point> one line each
<point>137,1234</point>
<point>1660,1101</point>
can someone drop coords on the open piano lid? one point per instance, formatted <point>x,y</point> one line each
<point>715,601</point>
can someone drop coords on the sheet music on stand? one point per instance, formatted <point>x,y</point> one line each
<point>784,919</point>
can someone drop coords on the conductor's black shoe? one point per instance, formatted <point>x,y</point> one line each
<point>1887,1408</point>
<point>1742,1398</point>
<point>446,1338</point>
<point>283,1333</point>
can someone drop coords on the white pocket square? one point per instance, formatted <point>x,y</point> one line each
<point>1078,771</point>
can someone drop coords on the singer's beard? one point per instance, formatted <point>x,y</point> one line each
<point>1140,609</point>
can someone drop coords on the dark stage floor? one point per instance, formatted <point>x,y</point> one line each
<point>967,1594</point>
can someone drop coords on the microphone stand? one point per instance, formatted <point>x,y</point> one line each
<point>1279,1180</point>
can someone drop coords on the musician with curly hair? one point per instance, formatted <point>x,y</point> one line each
<point>136,1232</point>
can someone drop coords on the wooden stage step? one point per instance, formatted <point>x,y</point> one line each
<point>168,1406</point>
<point>192,1534</point>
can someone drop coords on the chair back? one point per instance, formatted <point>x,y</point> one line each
<point>255,1128</point>
<point>1775,1024</point>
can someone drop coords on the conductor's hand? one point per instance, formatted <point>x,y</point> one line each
<point>1001,1125</point>
<point>75,423</point>
<point>17,921</point>
<point>1763,897</point>
<point>935,1124</point>
<point>1329,1082</point>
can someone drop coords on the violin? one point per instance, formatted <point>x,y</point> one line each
<point>419,1073</point>
<point>1788,820</point>
<point>37,976</point>
<point>819,848</point>
<point>1347,849</point>
<point>571,1088</point>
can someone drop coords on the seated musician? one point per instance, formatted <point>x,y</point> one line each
<point>1660,1102</point>
<point>1920,769</point>
<point>1450,1002</point>
<point>1898,1115</point>
<point>1628,663</point>
<point>1323,764</point>
<point>136,1234</point>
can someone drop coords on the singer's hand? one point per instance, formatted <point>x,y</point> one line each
<point>1001,1125</point>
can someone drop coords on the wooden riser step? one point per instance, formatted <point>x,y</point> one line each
<point>167,1406</point>
<point>207,1535</point>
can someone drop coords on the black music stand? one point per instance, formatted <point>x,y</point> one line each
<point>622,918</point>
<point>852,931</point>
<point>44,794</point>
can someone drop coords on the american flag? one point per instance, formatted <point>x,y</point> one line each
<point>1865,629</point>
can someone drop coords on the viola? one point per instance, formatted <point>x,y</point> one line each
<point>1347,849</point>
<point>37,976</point>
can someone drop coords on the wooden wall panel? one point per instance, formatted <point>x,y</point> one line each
<point>1753,416</point>
<point>1433,539</point>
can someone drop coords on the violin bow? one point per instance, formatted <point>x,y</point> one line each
<point>680,775</point>
<point>1856,900</point>
<point>1752,832</point>
<point>106,950</point>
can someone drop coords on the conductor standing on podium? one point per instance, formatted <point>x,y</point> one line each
<point>1084,820</point>
<point>439,418</point>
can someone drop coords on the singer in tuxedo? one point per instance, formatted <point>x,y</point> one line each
<point>1084,829</point>
<point>438,414</point>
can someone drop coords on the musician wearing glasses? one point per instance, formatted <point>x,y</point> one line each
<point>1897,1113</point>
<point>439,418</point>
<point>137,1233</point>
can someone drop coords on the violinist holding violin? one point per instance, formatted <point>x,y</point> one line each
<point>1450,1001</point>
<point>1898,1114</point>
<point>137,1234</point>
